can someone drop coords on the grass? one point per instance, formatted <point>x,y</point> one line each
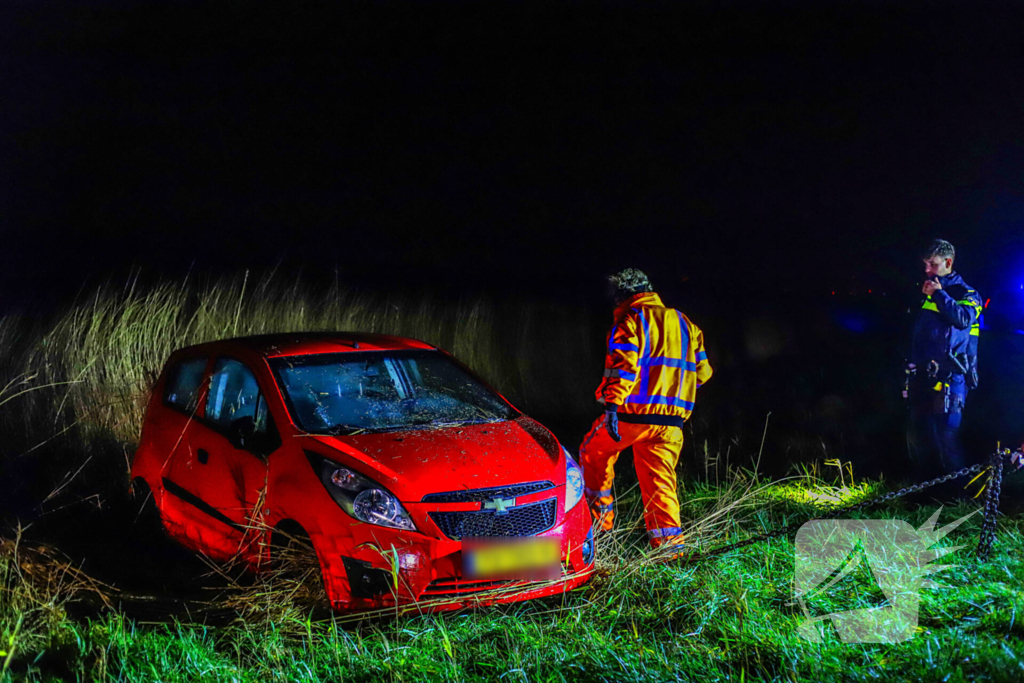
<point>111,344</point>
<point>730,618</point>
<point>727,619</point>
<point>95,363</point>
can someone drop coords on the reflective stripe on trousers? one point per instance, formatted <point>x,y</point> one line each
<point>666,531</point>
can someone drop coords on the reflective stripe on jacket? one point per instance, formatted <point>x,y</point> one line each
<point>655,360</point>
<point>946,323</point>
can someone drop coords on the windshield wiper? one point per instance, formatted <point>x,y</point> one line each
<point>456,423</point>
<point>348,430</point>
<point>344,430</point>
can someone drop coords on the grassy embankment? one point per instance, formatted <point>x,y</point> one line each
<point>724,620</point>
<point>727,619</point>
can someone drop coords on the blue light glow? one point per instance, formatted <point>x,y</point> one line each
<point>854,322</point>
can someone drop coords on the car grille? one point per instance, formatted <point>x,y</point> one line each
<point>480,495</point>
<point>521,520</point>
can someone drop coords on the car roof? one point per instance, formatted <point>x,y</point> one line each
<point>303,343</point>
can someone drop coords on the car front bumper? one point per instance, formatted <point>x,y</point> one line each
<point>375,568</point>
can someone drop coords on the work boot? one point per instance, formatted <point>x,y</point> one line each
<point>668,548</point>
<point>604,516</point>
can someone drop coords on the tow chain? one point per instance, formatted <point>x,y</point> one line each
<point>988,527</point>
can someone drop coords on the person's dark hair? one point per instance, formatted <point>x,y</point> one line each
<point>630,281</point>
<point>940,248</point>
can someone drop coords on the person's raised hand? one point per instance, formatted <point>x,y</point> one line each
<point>930,287</point>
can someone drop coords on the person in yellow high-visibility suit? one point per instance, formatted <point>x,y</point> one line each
<point>655,361</point>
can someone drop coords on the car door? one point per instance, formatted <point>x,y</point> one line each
<point>231,444</point>
<point>170,437</point>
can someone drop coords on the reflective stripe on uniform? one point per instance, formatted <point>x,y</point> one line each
<point>684,349</point>
<point>611,372</point>
<point>617,346</point>
<point>684,335</point>
<point>647,350</point>
<point>701,355</point>
<point>662,532</point>
<point>593,432</point>
<point>661,401</point>
<point>929,305</point>
<point>976,331</point>
<point>673,363</point>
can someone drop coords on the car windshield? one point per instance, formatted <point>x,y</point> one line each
<point>377,391</point>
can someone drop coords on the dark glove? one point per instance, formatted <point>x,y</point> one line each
<point>611,422</point>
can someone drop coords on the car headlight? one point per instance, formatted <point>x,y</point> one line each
<point>360,496</point>
<point>573,482</point>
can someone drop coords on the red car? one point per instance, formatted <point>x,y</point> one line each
<point>414,481</point>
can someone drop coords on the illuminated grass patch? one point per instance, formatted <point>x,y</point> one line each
<point>730,618</point>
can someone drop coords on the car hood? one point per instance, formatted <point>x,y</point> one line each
<point>416,462</point>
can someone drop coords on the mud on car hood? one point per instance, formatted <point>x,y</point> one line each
<point>413,463</point>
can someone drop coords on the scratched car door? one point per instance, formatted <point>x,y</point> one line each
<point>172,436</point>
<point>232,472</point>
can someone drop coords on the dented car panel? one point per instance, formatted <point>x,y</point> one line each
<point>385,451</point>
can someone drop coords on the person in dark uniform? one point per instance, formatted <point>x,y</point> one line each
<point>942,363</point>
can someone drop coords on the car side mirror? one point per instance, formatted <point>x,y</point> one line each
<point>242,432</point>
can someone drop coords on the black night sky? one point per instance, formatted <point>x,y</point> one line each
<point>752,148</point>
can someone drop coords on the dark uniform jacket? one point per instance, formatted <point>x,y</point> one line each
<point>944,328</point>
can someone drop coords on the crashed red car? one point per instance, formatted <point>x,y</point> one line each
<point>415,482</point>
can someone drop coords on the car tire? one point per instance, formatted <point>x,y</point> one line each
<point>291,550</point>
<point>293,560</point>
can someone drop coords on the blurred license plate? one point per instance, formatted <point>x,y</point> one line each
<point>533,559</point>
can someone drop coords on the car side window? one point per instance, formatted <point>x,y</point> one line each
<point>234,395</point>
<point>184,383</point>
<point>261,415</point>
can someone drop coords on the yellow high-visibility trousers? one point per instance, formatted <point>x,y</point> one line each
<point>655,455</point>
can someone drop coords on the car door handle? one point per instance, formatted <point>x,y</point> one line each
<point>203,456</point>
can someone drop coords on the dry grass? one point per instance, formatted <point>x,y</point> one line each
<point>110,346</point>
<point>37,584</point>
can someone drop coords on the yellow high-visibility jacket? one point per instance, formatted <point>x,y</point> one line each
<point>655,363</point>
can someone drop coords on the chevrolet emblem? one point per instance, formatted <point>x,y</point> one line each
<point>500,505</point>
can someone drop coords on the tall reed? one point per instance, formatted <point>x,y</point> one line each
<point>109,347</point>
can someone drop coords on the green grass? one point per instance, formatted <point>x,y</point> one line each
<point>726,619</point>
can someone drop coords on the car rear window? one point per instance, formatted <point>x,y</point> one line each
<point>184,383</point>
<point>346,393</point>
